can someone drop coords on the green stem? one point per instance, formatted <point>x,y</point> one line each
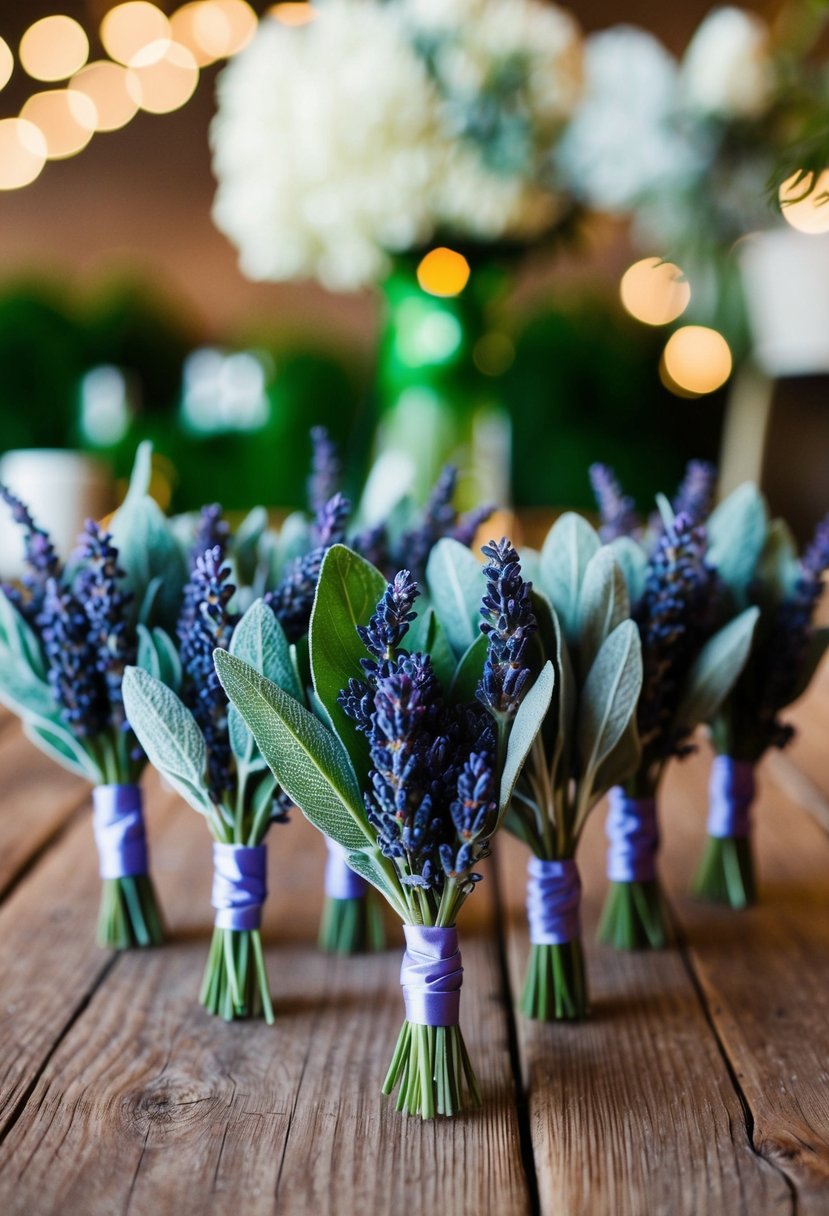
<point>726,872</point>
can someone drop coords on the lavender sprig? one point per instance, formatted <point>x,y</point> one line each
<point>100,591</point>
<point>617,510</point>
<point>293,599</point>
<point>509,622</point>
<point>326,475</point>
<point>472,814</point>
<point>72,662</point>
<point>673,615</point>
<point>39,555</point>
<point>211,530</point>
<point>695,495</point>
<point>390,622</point>
<point>205,625</point>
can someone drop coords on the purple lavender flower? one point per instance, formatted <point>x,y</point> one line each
<point>388,626</point>
<point>788,641</point>
<point>674,615</point>
<point>99,590</point>
<point>438,519</point>
<point>372,544</point>
<point>695,494</point>
<point>509,623</point>
<point>326,470</point>
<point>205,625</point>
<point>293,599</point>
<point>211,530</point>
<point>72,661</point>
<point>617,510</point>
<point>467,525</point>
<point>473,813</point>
<point>41,560</point>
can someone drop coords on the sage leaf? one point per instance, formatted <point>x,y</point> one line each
<point>456,585</point>
<point>714,671</point>
<point>609,696</point>
<point>348,591</point>
<point>569,546</point>
<point>603,604</point>
<point>169,734</point>
<point>633,561</point>
<point>736,535</point>
<point>528,721</point>
<point>467,677</point>
<point>307,759</point>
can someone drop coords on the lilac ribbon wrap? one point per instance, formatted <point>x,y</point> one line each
<point>634,837</point>
<point>240,885</point>
<point>431,976</point>
<point>730,795</point>
<point>118,825</point>
<point>340,880</point>
<point>553,901</point>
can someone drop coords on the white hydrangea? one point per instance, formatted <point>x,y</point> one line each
<point>621,143</point>
<point>325,148</point>
<point>727,69</point>
<point>476,42</point>
<point>340,142</point>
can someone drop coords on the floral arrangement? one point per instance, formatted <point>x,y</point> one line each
<point>376,128</point>
<point>757,565</point>
<point>589,743</point>
<point>689,667</point>
<point>694,150</point>
<point>414,771</point>
<point>66,638</point>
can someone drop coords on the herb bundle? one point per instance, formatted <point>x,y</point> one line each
<point>411,776</point>
<point>688,670</point>
<point>588,743</point>
<point>66,637</point>
<point>757,564</point>
<point>201,746</point>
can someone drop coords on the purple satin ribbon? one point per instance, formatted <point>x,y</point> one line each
<point>340,880</point>
<point>431,976</point>
<point>730,795</point>
<point>118,824</point>
<point>240,885</point>
<point>553,901</point>
<point>634,837</point>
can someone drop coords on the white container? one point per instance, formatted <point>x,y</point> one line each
<point>61,489</point>
<point>786,279</point>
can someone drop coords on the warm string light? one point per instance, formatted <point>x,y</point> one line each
<point>654,291</point>
<point>696,360</point>
<point>153,65</point>
<point>804,202</point>
<point>443,272</point>
<point>291,12</point>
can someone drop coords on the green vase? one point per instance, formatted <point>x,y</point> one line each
<point>441,364</point>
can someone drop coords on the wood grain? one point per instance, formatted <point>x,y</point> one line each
<point>38,798</point>
<point>149,1105</point>
<point>765,972</point>
<point>633,1113</point>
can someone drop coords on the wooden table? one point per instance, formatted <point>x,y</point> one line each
<point>701,1084</point>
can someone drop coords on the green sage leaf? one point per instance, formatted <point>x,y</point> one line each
<point>456,585</point>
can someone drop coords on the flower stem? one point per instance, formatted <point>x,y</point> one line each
<point>556,985</point>
<point>726,872</point>
<point>129,915</point>
<point>634,917</point>
<point>432,1069</point>
<point>235,982</point>
<point>352,926</point>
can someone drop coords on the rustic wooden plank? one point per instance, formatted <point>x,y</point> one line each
<point>38,797</point>
<point>634,1112</point>
<point>765,972</point>
<point>150,1105</point>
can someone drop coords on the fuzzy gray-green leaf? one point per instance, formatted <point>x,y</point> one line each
<point>528,721</point>
<point>715,670</point>
<point>736,536</point>
<point>603,604</point>
<point>569,546</point>
<point>307,759</point>
<point>456,585</point>
<point>609,697</point>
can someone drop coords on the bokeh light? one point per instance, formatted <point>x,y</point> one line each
<point>654,291</point>
<point>22,153</point>
<point>65,118</point>
<point>493,353</point>
<point>128,29</point>
<point>6,63</point>
<point>804,202</point>
<point>54,48</point>
<point>164,79</point>
<point>443,272</point>
<point>292,13</point>
<point>696,360</point>
<point>105,84</point>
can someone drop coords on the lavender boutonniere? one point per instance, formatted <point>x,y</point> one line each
<point>758,564</point>
<point>588,744</point>
<point>201,746</point>
<point>411,776</point>
<point>67,635</point>
<point>688,670</point>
